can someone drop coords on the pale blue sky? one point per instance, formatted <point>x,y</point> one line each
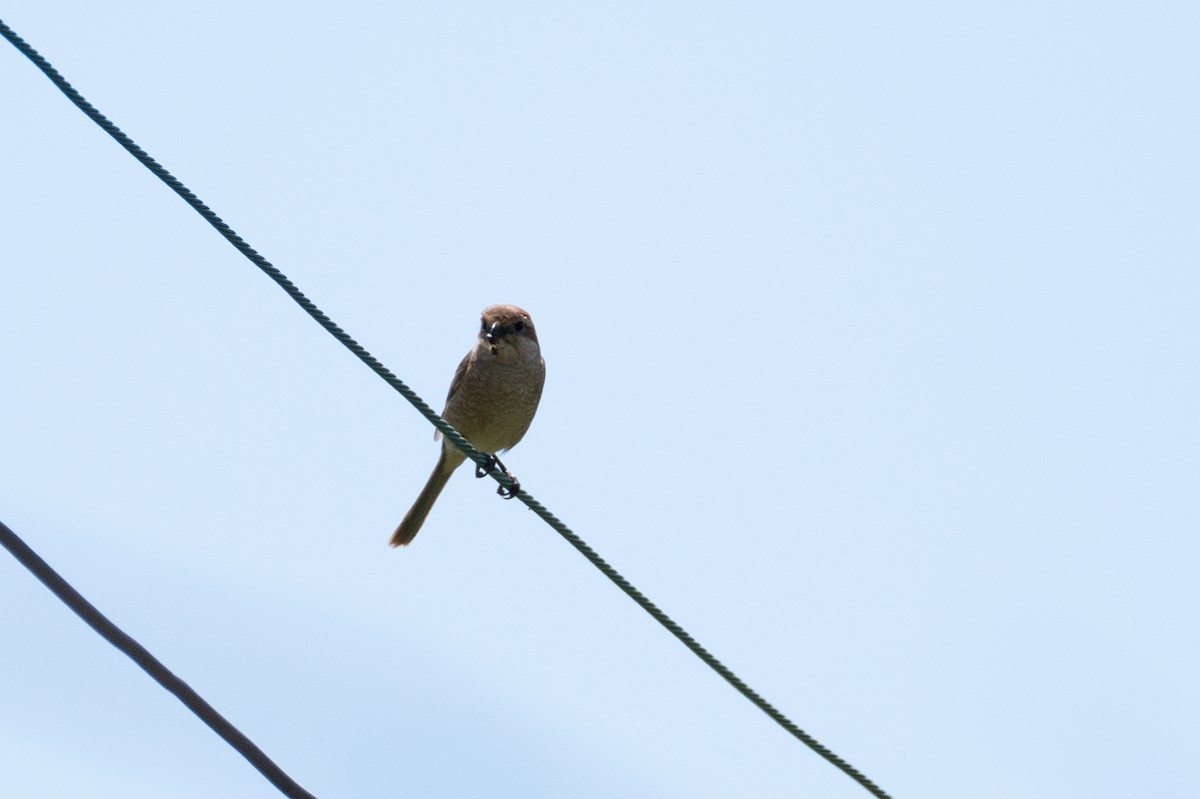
<point>871,333</point>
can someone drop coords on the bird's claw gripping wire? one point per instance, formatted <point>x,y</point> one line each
<point>485,468</point>
<point>490,465</point>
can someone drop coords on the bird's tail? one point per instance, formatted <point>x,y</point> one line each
<point>415,517</point>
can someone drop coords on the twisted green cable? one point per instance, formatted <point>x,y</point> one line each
<point>481,459</point>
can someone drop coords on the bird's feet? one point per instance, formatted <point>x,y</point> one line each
<point>490,465</point>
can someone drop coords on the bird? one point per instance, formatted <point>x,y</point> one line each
<point>492,401</point>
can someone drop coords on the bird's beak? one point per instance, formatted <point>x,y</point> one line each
<point>494,333</point>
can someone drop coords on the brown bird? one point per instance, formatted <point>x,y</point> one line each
<point>492,400</point>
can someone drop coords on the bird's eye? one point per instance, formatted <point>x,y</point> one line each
<point>482,324</point>
<point>519,326</point>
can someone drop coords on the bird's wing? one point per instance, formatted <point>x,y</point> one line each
<point>454,385</point>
